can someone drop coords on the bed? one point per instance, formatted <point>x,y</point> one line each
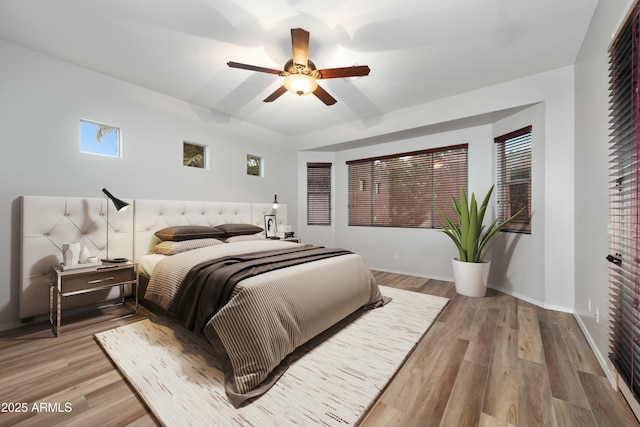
<point>256,300</point>
<point>262,318</point>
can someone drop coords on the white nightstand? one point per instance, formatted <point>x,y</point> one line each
<point>64,283</point>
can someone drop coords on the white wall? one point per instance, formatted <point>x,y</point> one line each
<point>540,267</point>
<point>42,100</point>
<point>591,175</point>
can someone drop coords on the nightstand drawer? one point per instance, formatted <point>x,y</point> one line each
<point>95,279</point>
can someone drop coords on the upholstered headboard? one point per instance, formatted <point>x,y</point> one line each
<point>49,222</point>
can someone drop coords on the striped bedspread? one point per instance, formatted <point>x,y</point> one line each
<point>269,315</point>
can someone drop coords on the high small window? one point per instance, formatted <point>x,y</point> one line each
<point>194,155</point>
<point>318,193</point>
<point>98,138</point>
<point>254,165</point>
<point>513,180</point>
<point>406,190</point>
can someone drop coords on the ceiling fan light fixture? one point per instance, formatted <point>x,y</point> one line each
<point>300,84</point>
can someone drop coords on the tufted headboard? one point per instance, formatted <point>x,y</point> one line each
<point>49,222</point>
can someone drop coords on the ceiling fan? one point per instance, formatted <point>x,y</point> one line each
<point>300,73</point>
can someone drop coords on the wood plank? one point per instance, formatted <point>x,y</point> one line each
<point>569,415</point>
<point>422,385</point>
<point>501,395</point>
<point>564,380</point>
<point>580,353</point>
<point>464,406</point>
<point>607,405</point>
<point>481,345</point>
<point>535,403</point>
<point>529,341</point>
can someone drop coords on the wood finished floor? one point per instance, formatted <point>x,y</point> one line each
<point>494,361</point>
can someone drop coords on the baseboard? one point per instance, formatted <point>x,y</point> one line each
<point>606,366</point>
<point>533,301</point>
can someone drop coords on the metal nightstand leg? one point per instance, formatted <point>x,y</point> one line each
<point>54,309</point>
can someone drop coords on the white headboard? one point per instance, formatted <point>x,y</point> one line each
<point>49,222</point>
<point>154,215</point>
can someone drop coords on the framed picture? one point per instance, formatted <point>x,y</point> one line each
<point>270,226</point>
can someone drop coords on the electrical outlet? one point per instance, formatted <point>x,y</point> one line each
<point>395,255</point>
<point>589,305</point>
<point>597,315</point>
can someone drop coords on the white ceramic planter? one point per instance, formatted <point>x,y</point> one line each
<point>471,277</point>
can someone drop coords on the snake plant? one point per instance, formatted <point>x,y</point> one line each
<point>470,236</point>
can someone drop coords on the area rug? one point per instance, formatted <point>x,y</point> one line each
<point>339,377</point>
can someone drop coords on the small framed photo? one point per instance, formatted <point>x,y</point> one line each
<point>270,226</point>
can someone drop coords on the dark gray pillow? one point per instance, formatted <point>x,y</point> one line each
<point>231,230</point>
<point>178,233</point>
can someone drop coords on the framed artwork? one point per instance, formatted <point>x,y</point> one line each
<point>194,155</point>
<point>254,165</point>
<point>270,226</point>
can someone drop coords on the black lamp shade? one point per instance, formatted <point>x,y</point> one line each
<point>119,204</point>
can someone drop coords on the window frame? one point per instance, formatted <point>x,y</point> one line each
<point>522,223</point>
<point>84,145</point>
<point>624,212</point>
<point>319,194</point>
<point>401,203</point>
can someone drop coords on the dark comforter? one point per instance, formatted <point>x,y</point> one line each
<point>210,284</point>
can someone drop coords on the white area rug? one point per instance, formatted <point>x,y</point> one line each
<point>335,383</point>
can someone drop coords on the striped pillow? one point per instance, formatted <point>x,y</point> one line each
<point>171,248</point>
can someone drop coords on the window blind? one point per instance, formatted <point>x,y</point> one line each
<point>318,193</point>
<point>406,189</point>
<point>513,178</point>
<point>624,223</point>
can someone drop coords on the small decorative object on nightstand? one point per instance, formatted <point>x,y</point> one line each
<point>64,283</point>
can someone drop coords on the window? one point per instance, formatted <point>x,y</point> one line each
<point>318,193</point>
<point>194,155</point>
<point>98,138</point>
<point>513,180</point>
<point>624,220</point>
<point>406,190</point>
<point>254,165</point>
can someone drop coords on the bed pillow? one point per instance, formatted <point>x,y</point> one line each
<point>245,237</point>
<point>230,230</point>
<point>188,232</point>
<point>170,247</point>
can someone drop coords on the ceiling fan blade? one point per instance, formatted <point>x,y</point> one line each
<point>354,71</point>
<point>253,68</point>
<point>275,95</point>
<point>300,46</point>
<point>324,96</point>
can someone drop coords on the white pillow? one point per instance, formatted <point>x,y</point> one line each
<point>258,236</point>
<point>169,247</point>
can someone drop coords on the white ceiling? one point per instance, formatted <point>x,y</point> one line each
<point>418,50</point>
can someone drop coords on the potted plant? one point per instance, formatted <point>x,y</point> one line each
<point>472,238</point>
